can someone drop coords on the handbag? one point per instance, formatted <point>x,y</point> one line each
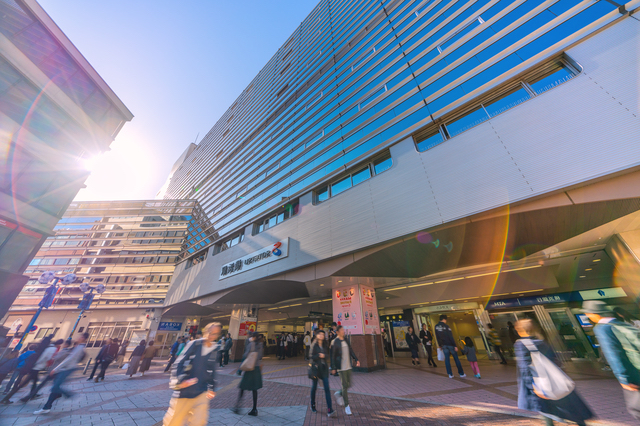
<point>440,354</point>
<point>313,371</point>
<point>548,379</point>
<point>249,364</point>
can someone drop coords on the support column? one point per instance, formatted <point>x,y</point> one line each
<point>356,309</point>
<point>243,320</point>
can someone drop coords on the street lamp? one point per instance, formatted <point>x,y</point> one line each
<point>85,303</point>
<point>47,299</point>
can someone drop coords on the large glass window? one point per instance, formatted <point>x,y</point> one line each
<point>467,121</point>
<point>341,186</point>
<point>551,79</point>
<point>506,101</point>
<point>287,211</point>
<point>361,175</point>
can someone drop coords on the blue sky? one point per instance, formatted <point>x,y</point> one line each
<point>177,66</point>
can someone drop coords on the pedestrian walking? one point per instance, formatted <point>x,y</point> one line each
<point>427,342</point>
<point>121,353</point>
<point>17,371</point>
<point>571,407</point>
<point>63,371</point>
<point>289,345</point>
<point>32,374</point>
<point>109,356</point>
<point>513,337</point>
<point>307,344</point>
<point>413,342</point>
<point>341,355</point>
<point>99,358</point>
<point>319,370</point>
<point>448,345</point>
<point>470,351</point>
<point>251,379</point>
<point>282,346</point>
<point>147,356</point>
<point>228,344</point>
<point>135,357</point>
<point>63,351</point>
<point>496,342</point>
<point>193,380</point>
<point>173,352</point>
<point>8,365</point>
<point>620,344</point>
<point>387,343</point>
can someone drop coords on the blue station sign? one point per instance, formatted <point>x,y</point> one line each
<point>170,326</point>
<point>574,296</point>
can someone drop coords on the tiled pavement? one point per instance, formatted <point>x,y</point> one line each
<point>401,394</point>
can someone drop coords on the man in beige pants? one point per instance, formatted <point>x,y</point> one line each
<point>194,387</point>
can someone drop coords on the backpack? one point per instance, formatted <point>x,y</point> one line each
<point>629,338</point>
<point>548,379</point>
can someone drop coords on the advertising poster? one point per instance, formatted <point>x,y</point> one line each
<point>347,310</point>
<point>370,310</point>
<point>249,325</point>
<point>400,329</point>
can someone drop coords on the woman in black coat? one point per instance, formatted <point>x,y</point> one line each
<point>320,353</point>
<point>571,407</point>
<point>413,341</point>
<point>251,380</point>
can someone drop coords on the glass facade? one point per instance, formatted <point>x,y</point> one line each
<point>357,76</point>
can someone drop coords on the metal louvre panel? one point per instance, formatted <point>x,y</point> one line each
<point>473,172</point>
<point>353,223</point>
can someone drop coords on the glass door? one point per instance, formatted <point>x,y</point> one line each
<point>572,336</point>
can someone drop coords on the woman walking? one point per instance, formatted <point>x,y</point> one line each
<point>134,359</point>
<point>470,351</point>
<point>319,353</point>
<point>252,380</point>
<point>147,356</point>
<point>413,342</point>
<point>571,407</point>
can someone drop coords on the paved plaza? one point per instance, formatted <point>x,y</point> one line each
<point>401,394</point>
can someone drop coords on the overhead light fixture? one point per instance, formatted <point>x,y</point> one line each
<point>420,285</point>
<point>326,300</point>
<point>524,267</point>
<point>339,281</point>
<point>315,301</point>
<point>482,275</point>
<point>395,288</point>
<point>583,276</point>
<point>441,301</point>
<point>423,303</point>
<point>589,269</point>
<point>271,309</point>
<point>597,260</point>
<point>527,291</point>
<point>297,304</point>
<point>321,285</point>
<point>450,279</point>
<point>494,295</point>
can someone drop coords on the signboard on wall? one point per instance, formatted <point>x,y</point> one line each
<point>347,309</point>
<point>169,326</point>
<point>249,325</point>
<point>574,296</point>
<point>370,310</point>
<point>400,330</point>
<point>266,255</point>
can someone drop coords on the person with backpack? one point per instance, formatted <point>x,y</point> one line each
<point>470,351</point>
<point>63,371</point>
<point>427,341</point>
<point>193,380</point>
<point>319,370</point>
<point>533,356</point>
<point>252,378</point>
<point>620,345</point>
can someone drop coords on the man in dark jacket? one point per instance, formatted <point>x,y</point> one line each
<point>194,386</point>
<point>109,356</point>
<point>427,342</point>
<point>174,353</point>
<point>620,344</point>
<point>101,355</point>
<point>341,354</point>
<point>227,347</point>
<point>448,345</point>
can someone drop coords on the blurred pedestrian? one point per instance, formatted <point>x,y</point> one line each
<point>427,342</point>
<point>571,407</point>
<point>449,346</point>
<point>470,351</point>
<point>147,356</point>
<point>98,361</point>
<point>413,342</point>
<point>251,379</point>
<point>64,348</point>
<point>620,344</point>
<point>135,357</point>
<point>63,371</point>
<point>341,355</point>
<point>319,356</point>
<point>228,344</point>
<point>282,346</point>
<point>307,344</point>
<point>109,356</point>
<point>22,359</point>
<point>193,380</point>
<point>39,364</point>
<point>173,352</point>
<point>121,353</point>
<point>8,365</point>
<point>496,342</point>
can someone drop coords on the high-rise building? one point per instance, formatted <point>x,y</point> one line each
<point>473,157</point>
<point>55,111</point>
<point>130,247</point>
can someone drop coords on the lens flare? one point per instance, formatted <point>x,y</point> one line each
<point>424,237</point>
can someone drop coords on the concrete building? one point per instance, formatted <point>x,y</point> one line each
<point>55,111</point>
<point>477,158</point>
<point>130,247</point>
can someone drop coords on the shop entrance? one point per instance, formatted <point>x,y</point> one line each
<point>463,324</point>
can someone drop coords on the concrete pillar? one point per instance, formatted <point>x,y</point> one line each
<point>355,308</point>
<point>243,320</point>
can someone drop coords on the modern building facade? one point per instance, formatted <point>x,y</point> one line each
<point>449,154</point>
<point>55,111</point>
<point>130,247</point>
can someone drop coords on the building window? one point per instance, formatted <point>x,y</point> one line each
<point>100,331</point>
<point>356,176</point>
<point>279,216</point>
<point>498,101</point>
<point>230,242</point>
<point>198,258</point>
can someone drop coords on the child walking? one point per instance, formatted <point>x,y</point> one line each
<point>470,351</point>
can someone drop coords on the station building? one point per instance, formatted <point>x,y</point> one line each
<point>131,248</point>
<point>56,112</point>
<point>396,160</point>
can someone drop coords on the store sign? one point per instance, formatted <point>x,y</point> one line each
<point>8,224</point>
<point>170,326</point>
<point>269,254</point>
<point>400,330</point>
<point>449,307</point>
<point>574,296</point>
